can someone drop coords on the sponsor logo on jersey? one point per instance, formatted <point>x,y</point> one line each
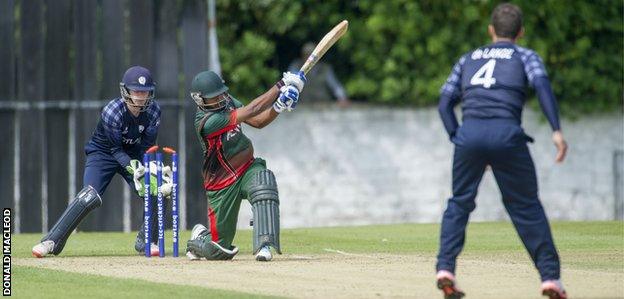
<point>130,141</point>
<point>232,133</point>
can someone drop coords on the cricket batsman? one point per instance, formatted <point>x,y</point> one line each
<point>490,82</point>
<point>127,128</point>
<point>230,170</point>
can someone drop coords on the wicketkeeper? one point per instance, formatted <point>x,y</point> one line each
<point>127,128</point>
<point>230,170</point>
<point>490,82</point>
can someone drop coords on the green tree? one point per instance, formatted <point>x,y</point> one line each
<point>400,52</point>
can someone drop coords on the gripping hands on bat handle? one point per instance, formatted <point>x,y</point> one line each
<point>289,91</point>
<point>287,100</point>
<point>297,80</point>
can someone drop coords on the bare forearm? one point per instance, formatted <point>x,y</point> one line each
<point>258,105</point>
<point>261,103</point>
<point>263,119</point>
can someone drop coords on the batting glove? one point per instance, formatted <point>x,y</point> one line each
<point>287,99</point>
<point>297,80</point>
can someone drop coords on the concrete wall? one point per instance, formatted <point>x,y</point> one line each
<point>370,165</point>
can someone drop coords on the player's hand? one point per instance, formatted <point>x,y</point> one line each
<point>297,80</point>
<point>167,181</point>
<point>137,171</point>
<point>138,176</point>
<point>562,146</point>
<point>287,99</point>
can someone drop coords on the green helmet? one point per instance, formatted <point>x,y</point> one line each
<point>208,85</point>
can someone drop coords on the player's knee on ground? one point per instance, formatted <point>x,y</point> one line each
<point>86,201</point>
<point>264,201</point>
<point>204,247</point>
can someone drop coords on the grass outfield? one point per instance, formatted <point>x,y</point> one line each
<point>596,246</point>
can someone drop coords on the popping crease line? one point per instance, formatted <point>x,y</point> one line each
<point>347,253</point>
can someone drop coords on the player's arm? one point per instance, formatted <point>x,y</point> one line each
<point>536,74</point>
<point>449,97</point>
<point>263,119</point>
<point>151,132</point>
<point>259,113</point>
<point>112,121</point>
<point>258,105</point>
<point>287,100</point>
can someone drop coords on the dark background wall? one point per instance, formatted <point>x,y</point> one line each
<point>60,62</point>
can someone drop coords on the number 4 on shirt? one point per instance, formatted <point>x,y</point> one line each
<point>484,75</point>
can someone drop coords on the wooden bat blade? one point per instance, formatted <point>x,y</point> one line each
<point>328,40</point>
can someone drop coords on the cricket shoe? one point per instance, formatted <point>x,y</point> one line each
<point>198,230</point>
<point>264,255</point>
<point>42,249</point>
<point>139,245</point>
<point>553,289</point>
<point>154,250</point>
<point>448,285</point>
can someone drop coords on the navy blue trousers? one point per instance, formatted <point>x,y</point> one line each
<point>100,169</point>
<point>501,144</point>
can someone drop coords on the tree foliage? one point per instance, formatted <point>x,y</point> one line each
<point>401,51</point>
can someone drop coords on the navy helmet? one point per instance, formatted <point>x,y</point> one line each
<point>137,78</point>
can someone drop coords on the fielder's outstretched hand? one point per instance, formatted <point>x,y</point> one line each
<point>287,100</point>
<point>297,80</point>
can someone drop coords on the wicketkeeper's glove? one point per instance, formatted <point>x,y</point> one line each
<point>137,171</point>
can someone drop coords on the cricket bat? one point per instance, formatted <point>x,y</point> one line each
<point>328,40</point>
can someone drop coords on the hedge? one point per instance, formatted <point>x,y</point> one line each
<point>400,52</point>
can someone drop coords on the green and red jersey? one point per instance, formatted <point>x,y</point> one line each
<point>227,151</point>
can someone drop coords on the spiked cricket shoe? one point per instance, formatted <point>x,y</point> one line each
<point>197,231</point>
<point>264,255</point>
<point>42,249</point>
<point>448,285</point>
<point>553,289</point>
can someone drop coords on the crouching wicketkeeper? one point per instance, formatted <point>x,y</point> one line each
<point>127,128</point>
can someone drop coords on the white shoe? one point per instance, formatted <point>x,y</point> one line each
<point>154,249</point>
<point>264,255</point>
<point>42,249</point>
<point>191,256</point>
<point>198,229</point>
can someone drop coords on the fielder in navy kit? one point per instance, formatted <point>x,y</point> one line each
<point>127,128</point>
<point>490,83</point>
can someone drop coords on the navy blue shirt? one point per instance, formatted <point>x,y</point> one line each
<point>491,81</point>
<point>121,134</point>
